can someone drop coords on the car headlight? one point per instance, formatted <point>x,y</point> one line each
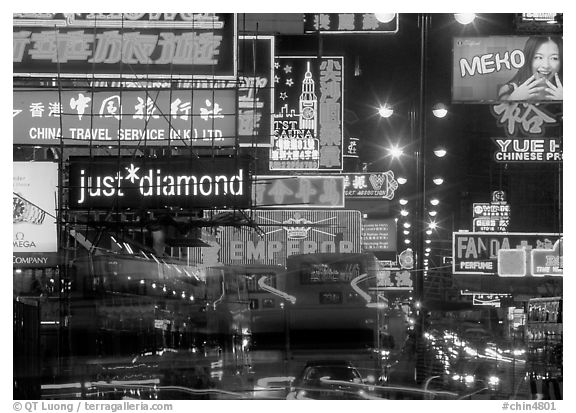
<point>493,380</point>
<point>469,379</point>
<point>456,377</point>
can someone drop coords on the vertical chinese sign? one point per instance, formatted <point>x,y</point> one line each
<point>309,104</point>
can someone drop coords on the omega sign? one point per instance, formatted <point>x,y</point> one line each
<point>105,182</point>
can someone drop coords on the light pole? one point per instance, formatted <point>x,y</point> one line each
<point>418,124</point>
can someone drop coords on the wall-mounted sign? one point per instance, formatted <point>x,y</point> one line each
<point>128,45</point>
<point>127,117</point>
<point>283,233</point>
<point>342,23</point>
<point>393,279</point>
<point>351,147</point>
<point>478,253</point>
<point>289,191</point>
<point>493,216</point>
<point>254,89</point>
<point>379,235</point>
<point>504,68</point>
<point>110,182</point>
<point>546,259</point>
<point>309,104</point>
<point>34,213</point>
<point>528,150</point>
<point>485,299</point>
<point>370,185</point>
<point>523,119</point>
<point>539,22</point>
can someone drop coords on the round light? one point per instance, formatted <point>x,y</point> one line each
<point>428,232</point>
<point>385,111</point>
<point>407,225</point>
<point>426,254</point>
<point>404,213</point>
<point>385,17</point>
<point>432,213</point>
<point>406,232</point>
<point>403,201</point>
<point>428,241</point>
<point>407,241</point>
<point>440,152</point>
<point>428,249</point>
<point>432,225</point>
<point>434,201</point>
<point>464,18</point>
<point>401,180</point>
<point>438,181</point>
<point>395,152</point>
<point>439,110</point>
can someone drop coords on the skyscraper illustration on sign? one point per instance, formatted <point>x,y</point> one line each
<point>308,103</point>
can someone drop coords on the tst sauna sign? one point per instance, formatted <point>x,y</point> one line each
<point>107,182</point>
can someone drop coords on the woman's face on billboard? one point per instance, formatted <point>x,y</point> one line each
<point>546,61</point>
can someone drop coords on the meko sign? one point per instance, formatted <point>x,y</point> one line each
<point>288,191</point>
<point>108,182</point>
<point>309,108</point>
<point>128,117</point>
<point>127,45</point>
<point>521,253</point>
<point>288,232</point>
<point>485,68</point>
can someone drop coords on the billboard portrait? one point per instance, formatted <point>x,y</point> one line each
<point>507,69</point>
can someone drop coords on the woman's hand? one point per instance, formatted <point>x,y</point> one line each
<point>554,92</point>
<point>527,90</point>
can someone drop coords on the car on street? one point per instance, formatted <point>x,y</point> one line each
<point>328,380</point>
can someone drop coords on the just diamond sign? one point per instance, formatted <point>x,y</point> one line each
<point>106,182</point>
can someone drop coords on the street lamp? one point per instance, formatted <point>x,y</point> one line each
<point>465,18</point>
<point>439,110</point>
<point>385,17</point>
<point>385,111</point>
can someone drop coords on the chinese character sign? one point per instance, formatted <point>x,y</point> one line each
<point>507,68</point>
<point>342,23</point>
<point>202,44</point>
<point>370,185</point>
<point>255,90</point>
<point>308,131</point>
<point>272,191</point>
<point>154,117</point>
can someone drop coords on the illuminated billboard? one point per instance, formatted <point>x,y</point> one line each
<point>528,150</point>
<point>309,107</point>
<point>507,254</point>
<point>289,191</point>
<point>34,230</point>
<point>125,117</point>
<point>125,45</point>
<point>282,233</point>
<point>185,182</point>
<point>342,23</point>
<point>507,68</point>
